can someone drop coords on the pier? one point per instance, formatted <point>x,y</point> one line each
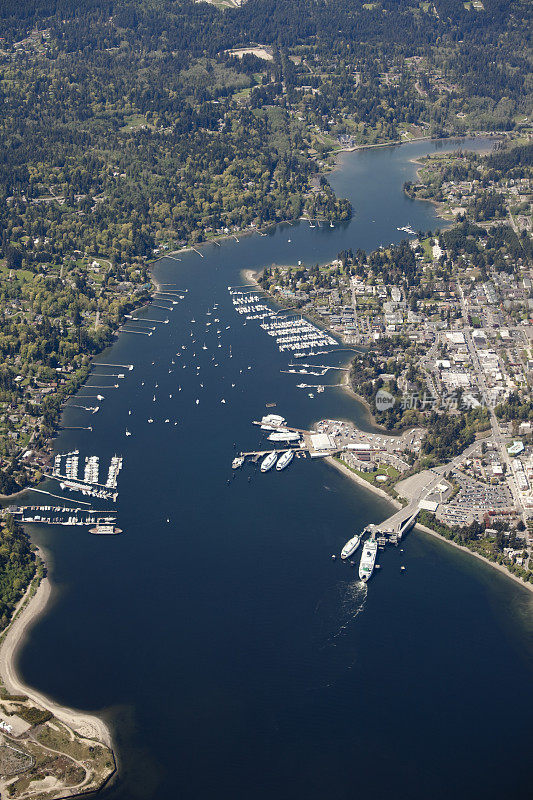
<point>317,445</point>
<point>320,366</point>
<point>254,455</point>
<point>73,428</point>
<point>59,497</point>
<point>393,529</point>
<point>118,366</point>
<point>144,319</point>
<point>399,523</point>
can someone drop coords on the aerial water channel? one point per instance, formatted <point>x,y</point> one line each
<point>232,657</point>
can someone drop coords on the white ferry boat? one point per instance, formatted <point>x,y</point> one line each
<point>368,559</point>
<point>351,546</point>
<point>269,461</point>
<point>285,459</point>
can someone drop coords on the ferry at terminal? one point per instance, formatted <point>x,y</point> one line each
<point>285,459</point>
<point>269,461</point>
<point>350,547</point>
<point>368,559</point>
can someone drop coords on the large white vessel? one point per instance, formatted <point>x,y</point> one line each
<point>284,436</point>
<point>269,461</point>
<point>271,421</point>
<point>351,546</point>
<point>285,459</point>
<point>368,559</point>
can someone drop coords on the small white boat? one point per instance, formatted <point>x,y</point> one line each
<point>128,432</point>
<point>237,462</point>
<point>269,461</point>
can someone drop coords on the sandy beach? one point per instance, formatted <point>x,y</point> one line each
<point>361,481</point>
<point>25,616</point>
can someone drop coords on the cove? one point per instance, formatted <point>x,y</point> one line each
<point>232,657</point>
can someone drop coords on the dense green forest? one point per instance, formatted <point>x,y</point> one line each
<point>18,566</point>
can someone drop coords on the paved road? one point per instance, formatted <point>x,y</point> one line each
<point>404,513</point>
<point>495,425</point>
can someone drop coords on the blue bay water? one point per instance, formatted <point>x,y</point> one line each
<point>232,656</point>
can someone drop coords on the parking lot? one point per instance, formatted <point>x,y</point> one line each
<point>474,499</point>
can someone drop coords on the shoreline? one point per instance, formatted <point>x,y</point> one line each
<point>9,498</point>
<point>36,601</point>
<point>262,231</point>
<point>250,275</point>
<point>499,567</point>
<point>32,605</point>
<point>361,481</point>
<point>376,490</point>
<point>440,209</point>
<point>368,408</point>
<point>429,138</point>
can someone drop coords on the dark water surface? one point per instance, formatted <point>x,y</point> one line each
<point>233,657</point>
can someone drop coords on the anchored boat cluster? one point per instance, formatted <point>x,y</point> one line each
<point>88,485</point>
<point>292,332</point>
<point>65,470</point>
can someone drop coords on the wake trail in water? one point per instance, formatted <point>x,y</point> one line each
<point>353,600</point>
